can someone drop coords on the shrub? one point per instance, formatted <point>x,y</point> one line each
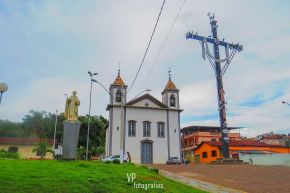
<point>154,170</point>
<point>116,161</point>
<point>108,162</point>
<point>4,154</point>
<point>144,166</point>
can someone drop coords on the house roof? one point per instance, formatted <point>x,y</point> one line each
<point>150,97</point>
<point>272,137</point>
<point>238,143</point>
<point>23,141</point>
<point>205,128</point>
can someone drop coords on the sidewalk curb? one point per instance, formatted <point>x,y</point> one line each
<point>205,186</point>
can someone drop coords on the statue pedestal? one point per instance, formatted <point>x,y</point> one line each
<point>70,139</point>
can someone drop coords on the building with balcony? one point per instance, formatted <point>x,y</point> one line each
<point>193,136</point>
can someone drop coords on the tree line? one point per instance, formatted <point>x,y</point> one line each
<point>41,124</point>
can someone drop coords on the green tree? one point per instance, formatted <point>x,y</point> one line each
<point>97,133</point>
<point>11,129</point>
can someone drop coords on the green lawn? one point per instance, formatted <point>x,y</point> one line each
<point>79,176</point>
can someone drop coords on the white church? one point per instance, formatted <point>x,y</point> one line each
<point>145,129</point>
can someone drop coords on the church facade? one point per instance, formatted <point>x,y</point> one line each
<point>145,129</point>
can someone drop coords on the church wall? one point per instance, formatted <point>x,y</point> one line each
<point>174,134</point>
<point>107,142</point>
<point>116,127</point>
<point>133,144</point>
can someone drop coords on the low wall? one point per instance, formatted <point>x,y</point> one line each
<point>266,159</point>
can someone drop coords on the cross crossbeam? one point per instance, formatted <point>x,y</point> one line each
<point>191,35</point>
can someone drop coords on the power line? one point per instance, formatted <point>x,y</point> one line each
<point>163,44</point>
<point>147,46</point>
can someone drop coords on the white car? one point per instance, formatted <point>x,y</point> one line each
<point>122,158</point>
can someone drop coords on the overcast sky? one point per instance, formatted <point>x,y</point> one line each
<point>47,47</point>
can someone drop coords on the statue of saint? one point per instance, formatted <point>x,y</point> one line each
<point>71,107</point>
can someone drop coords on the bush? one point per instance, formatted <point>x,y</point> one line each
<point>154,170</point>
<point>116,161</point>
<point>81,153</point>
<point>4,154</point>
<point>108,162</point>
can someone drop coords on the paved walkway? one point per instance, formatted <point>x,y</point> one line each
<point>247,178</point>
<point>209,187</point>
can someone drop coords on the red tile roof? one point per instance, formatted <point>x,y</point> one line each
<point>23,141</point>
<point>240,143</point>
<point>272,137</point>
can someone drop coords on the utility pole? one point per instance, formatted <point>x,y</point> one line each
<point>219,72</point>
<point>89,121</point>
<point>55,125</point>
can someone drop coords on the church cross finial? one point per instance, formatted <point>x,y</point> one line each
<point>119,69</point>
<point>169,73</point>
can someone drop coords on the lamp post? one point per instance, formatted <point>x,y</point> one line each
<point>283,102</point>
<point>3,88</point>
<point>55,124</point>
<point>88,133</point>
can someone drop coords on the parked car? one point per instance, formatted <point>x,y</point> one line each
<point>122,158</point>
<point>173,160</point>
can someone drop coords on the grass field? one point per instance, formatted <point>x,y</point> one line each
<point>79,177</point>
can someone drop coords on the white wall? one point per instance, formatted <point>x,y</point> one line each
<point>267,159</point>
<point>133,144</point>
<point>116,123</point>
<point>174,134</point>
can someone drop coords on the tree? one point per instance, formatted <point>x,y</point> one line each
<point>97,133</point>
<point>11,129</point>
<point>42,149</point>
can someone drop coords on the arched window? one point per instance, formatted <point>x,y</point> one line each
<point>172,100</point>
<point>119,96</point>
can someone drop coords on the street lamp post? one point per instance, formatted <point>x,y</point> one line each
<point>88,133</point>
<point>55,124</point>
<point>3,88</point>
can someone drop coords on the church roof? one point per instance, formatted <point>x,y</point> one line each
<point>150,97</point>
<point>119,81</point>
<point>170,85</point>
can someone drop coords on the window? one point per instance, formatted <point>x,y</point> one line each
<point>146,129</point>
<point>204,154</point>
<point>119,96</point>
<point>213,153</point>
<point>172,100</point>
<point>160,129</point>
<point>13,149</point>
<point>131,128</point>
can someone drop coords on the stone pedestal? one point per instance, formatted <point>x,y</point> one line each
<point>70,139</point>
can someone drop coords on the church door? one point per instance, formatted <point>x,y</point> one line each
<point>146,153</point>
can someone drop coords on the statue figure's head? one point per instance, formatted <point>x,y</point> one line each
<point>74,93</point>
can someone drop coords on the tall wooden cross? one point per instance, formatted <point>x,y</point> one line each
<point>219,72</point>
